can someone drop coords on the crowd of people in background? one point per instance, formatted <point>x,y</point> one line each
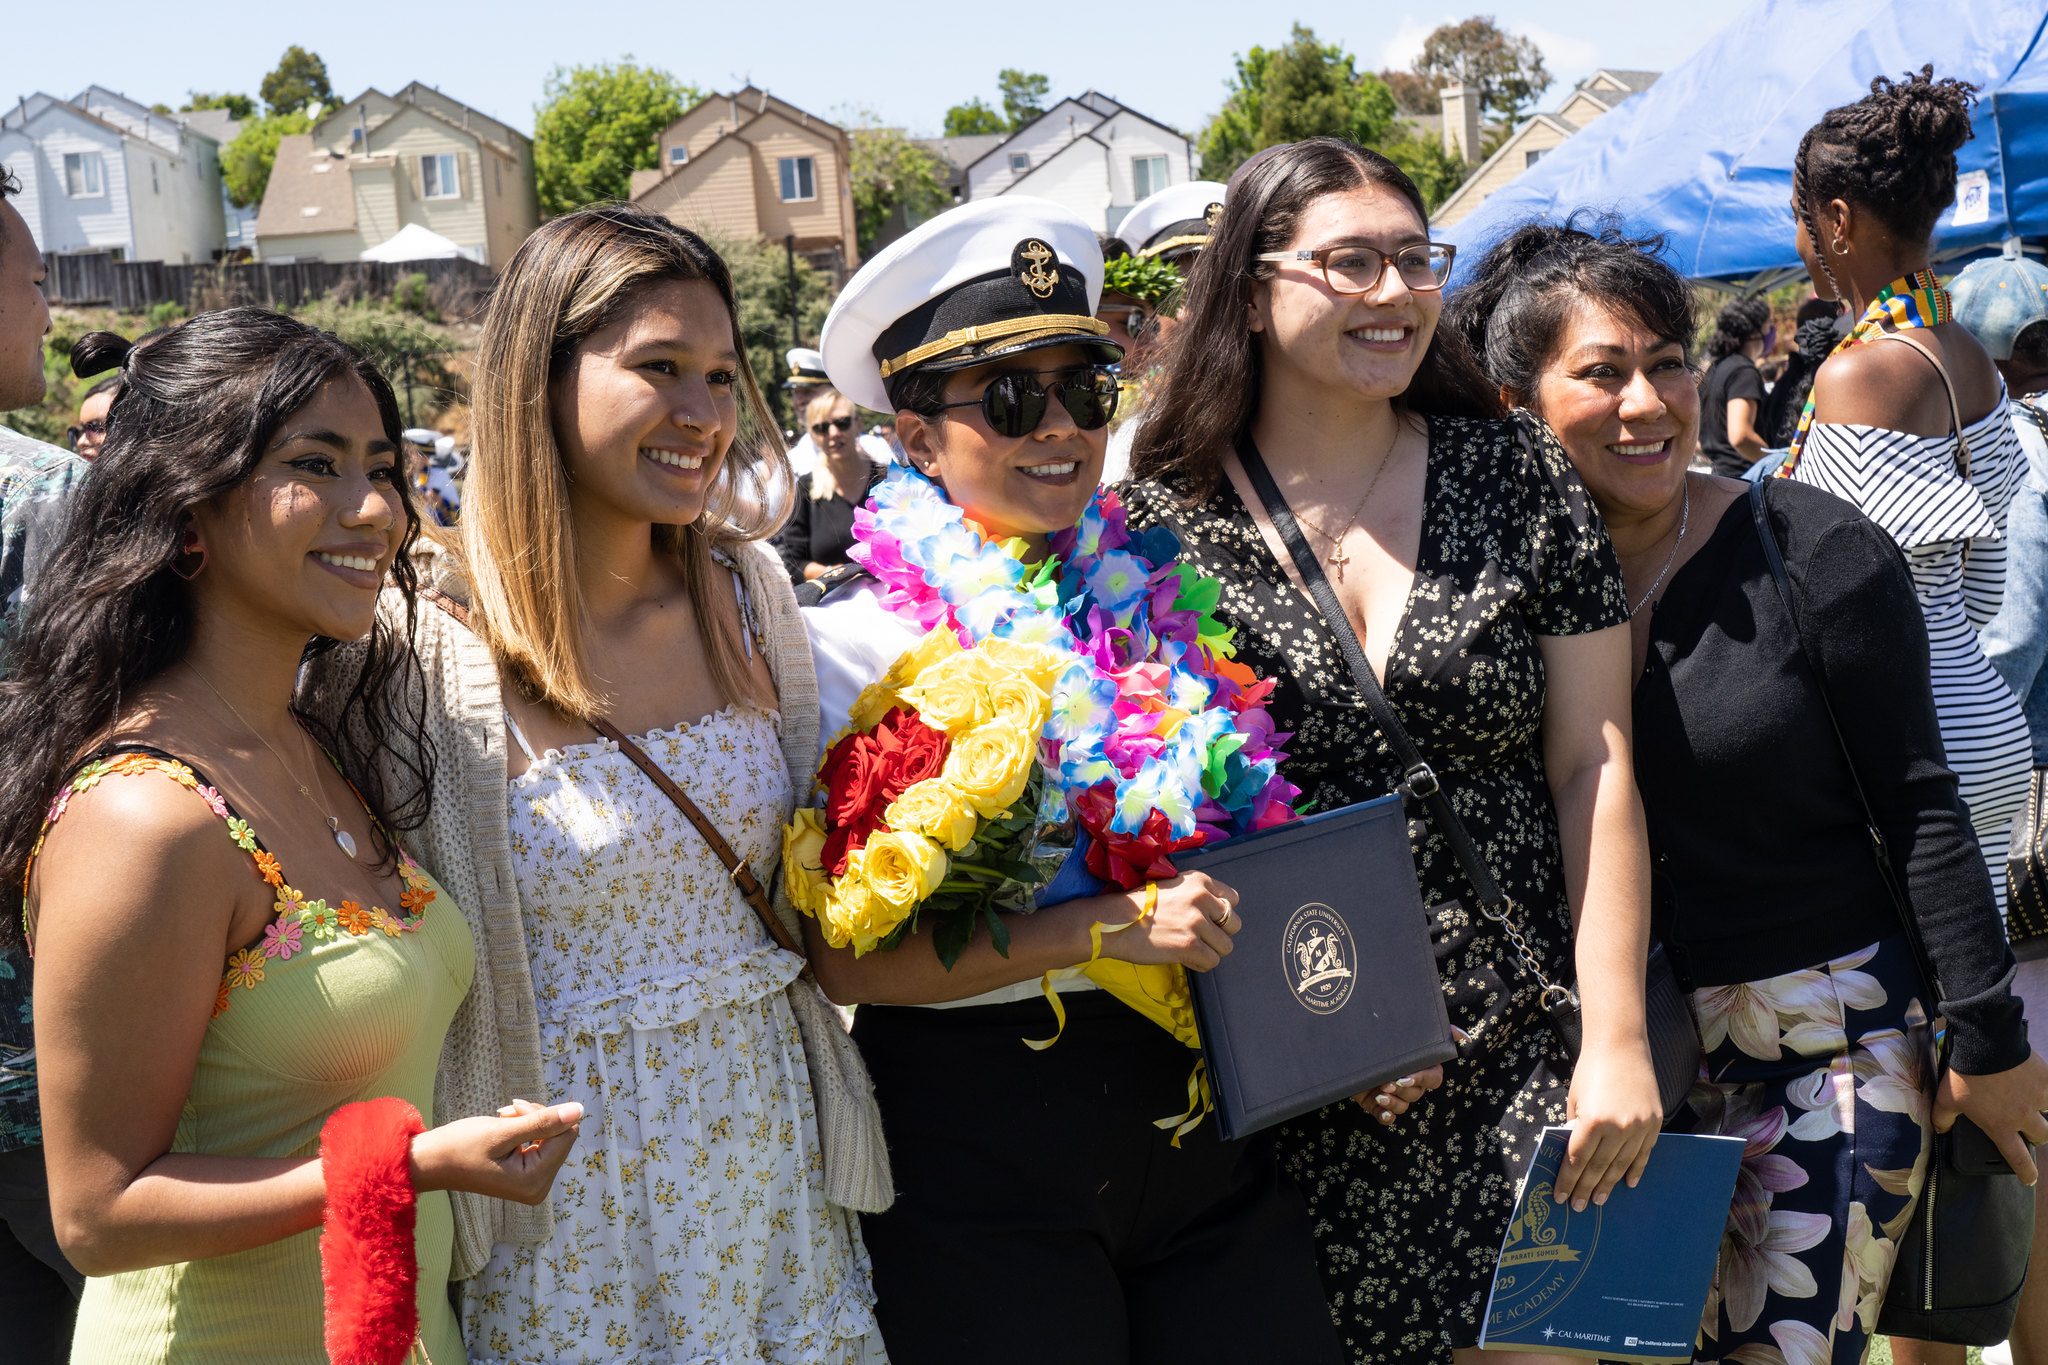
<point>393,842</point>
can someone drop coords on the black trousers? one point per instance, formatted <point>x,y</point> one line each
<point>1040,1216</point>
<point>38,1288</point>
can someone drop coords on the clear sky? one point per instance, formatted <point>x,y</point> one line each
<point>906,61</point>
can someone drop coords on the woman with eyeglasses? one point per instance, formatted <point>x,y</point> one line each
<point>1475,575</point>
<point>813,542</point>
<point>1042,1172</point>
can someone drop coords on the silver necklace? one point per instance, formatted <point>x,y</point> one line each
<point>1684,517</point>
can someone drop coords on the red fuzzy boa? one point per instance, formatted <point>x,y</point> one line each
<point>368,1261</point>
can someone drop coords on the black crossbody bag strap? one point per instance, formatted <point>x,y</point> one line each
<point>1880,849</point>
<point>1418,779</point>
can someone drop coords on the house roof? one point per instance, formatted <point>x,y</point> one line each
<point>1080,101</point>
<point>297,186</point>
<point>217,124</point>
<point>1635,81</point>
<point>1508,145</point>
<point>422,85</point>
<point>341,111</point>
<point>963,151</point>
<point>38,104</point>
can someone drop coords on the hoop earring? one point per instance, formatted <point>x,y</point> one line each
<point>185,565</point>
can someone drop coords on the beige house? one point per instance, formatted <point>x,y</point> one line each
<point>380,162</point>
<point>751,165</point>
<point>1530,140</point>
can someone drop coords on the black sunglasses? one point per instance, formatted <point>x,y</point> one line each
<point>1015,402</point>
<point>832,424</point>
<point>97,426</point>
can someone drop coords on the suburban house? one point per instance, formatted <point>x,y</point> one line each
<point>223,128</point>
<point>1089,152</point>
<point>100,172</point>
<point>380,163</point>
<point>1526,145</point>
<point>751,165</point>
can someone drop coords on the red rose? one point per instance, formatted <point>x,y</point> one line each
<point>912,752</point>
<point>852,779</point>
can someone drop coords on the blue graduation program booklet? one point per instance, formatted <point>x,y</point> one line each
<point>1626,1280</point>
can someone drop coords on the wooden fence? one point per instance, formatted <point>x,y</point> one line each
<point>97,279</point>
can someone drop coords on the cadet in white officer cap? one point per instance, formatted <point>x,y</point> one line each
<point>806,383</point>
<point>1043,1173</point>
<point>1175,223</point>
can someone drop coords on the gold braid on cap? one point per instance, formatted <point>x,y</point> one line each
<point>1021,329</point>
<point>1193,239</point>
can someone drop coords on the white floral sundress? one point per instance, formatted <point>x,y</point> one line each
<point>691,1226</point>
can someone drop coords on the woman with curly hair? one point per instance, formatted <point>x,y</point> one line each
<point>1732,389</point>
<point>1917,434</point>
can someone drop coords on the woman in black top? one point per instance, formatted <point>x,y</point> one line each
<point>821,528</point>
<point>1480,582</point>
<point>1732,390</point>
<point>1764,889</point>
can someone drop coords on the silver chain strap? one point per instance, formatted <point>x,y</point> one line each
<point>1553,995</point>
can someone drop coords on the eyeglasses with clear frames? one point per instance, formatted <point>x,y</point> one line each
<point>1423,267</point>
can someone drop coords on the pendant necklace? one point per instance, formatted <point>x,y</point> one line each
<point>1337,558</point>
<point>1684,516</point>
<point>341,836</point>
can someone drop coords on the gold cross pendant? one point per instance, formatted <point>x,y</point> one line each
<point>1339,559</point>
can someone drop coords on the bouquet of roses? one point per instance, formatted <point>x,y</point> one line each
<point>1059,728</point>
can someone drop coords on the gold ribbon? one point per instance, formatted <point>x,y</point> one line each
<point>1095,933</point>
<point>1198,1098</point>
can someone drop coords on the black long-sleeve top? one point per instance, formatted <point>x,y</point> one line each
<point>1760,860</point>
<point>820,530</point>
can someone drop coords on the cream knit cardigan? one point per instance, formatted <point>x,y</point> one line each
<point>492,1053</point>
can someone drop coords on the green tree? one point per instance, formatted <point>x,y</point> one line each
<point>596,125</point>
<point>760,281</point>
<point>245,162</point>
<point>1509,71</point>
<point>1435,171</point>
<point>239,107</point>
<point>299,81</point>
<point>888,172</point>
<point>1305,89</point>
<point>1024,95</point>
<point>966,120</point>
<point>1413,92</point>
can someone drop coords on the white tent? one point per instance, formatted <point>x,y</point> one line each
<point>413,243</point>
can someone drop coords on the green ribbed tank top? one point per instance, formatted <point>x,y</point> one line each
<point>334,1005</point>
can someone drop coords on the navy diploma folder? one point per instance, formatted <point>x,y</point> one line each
<point>1626,1280</point>
<point>1330,988</point>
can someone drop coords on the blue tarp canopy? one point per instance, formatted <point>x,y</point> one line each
<point>1704,156</point>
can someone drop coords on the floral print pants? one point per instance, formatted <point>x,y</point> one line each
<point>1827,1075</point>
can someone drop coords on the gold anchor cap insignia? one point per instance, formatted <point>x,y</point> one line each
<point>1213,214</point>
<point>1037,267</point>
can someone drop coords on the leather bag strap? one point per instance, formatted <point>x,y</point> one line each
<point>1418,779</point>
<point>743,875</point>
<point>1880,848</point>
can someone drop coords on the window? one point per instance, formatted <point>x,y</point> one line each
<point>82,175</point>
<point>678,156</point>
<point>797,179</point>
<point>1020,162</point>
<point>1531,158</point>
<point>1148,176</point>
<point>438,177</point>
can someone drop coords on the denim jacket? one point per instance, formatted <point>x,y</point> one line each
<point>2016,641</point>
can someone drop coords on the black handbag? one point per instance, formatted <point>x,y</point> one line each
<point>1674,1033</point>
<point>1963,1260</point>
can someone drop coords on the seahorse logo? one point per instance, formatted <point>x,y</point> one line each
<point>1318,952</point>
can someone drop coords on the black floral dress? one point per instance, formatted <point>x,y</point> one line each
<point>1408,1220</point>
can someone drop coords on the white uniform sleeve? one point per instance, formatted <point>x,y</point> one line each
<point>854,641</point>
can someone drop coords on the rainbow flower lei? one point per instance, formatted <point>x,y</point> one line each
<point>1157,740</point>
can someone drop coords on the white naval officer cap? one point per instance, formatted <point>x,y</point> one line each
<point>990,278</point>
<point>806,366</point>
<point>1179,218</point>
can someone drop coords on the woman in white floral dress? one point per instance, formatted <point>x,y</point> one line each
<point>610,568</point>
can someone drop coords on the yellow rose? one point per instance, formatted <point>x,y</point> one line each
<point>853,913</point>
<point>936,811</point>
<point>902,868</point>
<point>1036,662</point>
<point>989,764</point>
<point>1019,699</point>
<point>938,644</point>
<point>949,697</point>
<point>869,707</point>
<point>803,873</point>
